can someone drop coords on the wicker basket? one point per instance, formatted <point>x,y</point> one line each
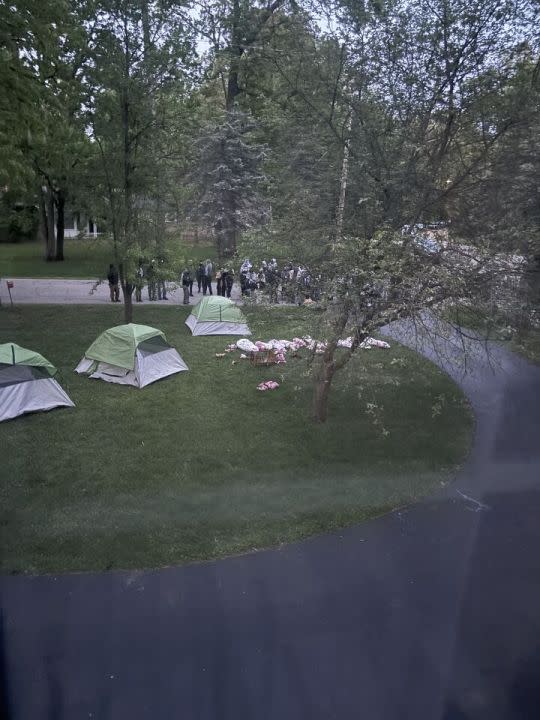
<point>263,357</point>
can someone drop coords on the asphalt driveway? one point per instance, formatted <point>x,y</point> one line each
<point>430,613</point>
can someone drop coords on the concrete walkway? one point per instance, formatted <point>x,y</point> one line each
<point>60,292</point>
<point>428,613</point>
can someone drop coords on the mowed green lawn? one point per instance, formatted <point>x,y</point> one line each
<point>87,258</point>
<point>202,465</point>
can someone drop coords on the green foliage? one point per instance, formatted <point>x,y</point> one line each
<point>137,74</point>
<point>42,134</point>
<point>18,220</point>
<point>230,175</point>
<point>88,258</point>
<point>310,131</point>
<point>296,83</point>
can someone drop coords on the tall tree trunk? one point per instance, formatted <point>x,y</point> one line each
<point>60,224</point>
<point>228,234</point>
<point>343,183</point>
<point>46,211</point>
<point>43,225</point>
<point>230,244</point>
<point>327,365</point>
<point>160,226</point>
<point>226,243</point>
<point>146,29</point>
<point>225,238</point>
<point>125,110</point>
<point>242,37</point>
<point>127,287</point>
<point>127,292</point>
<point>321,387</point>
<point>127,163</point>
<point>236,51</point>
<point>51,239</point>
<point>233,87</point>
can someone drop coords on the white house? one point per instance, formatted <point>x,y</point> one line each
<point>77,223</point>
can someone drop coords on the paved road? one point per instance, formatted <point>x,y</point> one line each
<point>60,291</point>
<point>431,613</point>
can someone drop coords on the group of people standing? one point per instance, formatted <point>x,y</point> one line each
<point>204,274</point>
<point>224,281</point>
<point>291,283</point>
<point>152,273</point>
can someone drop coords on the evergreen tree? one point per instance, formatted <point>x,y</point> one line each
<point>230,178</point>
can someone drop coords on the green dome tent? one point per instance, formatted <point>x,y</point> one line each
<point>131,355</point>
<point>26,383</point>
<point>216,315</point>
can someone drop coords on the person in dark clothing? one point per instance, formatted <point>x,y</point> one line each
<point>151,277</point>
<point>112,277</point>
<point>229,280</point>
<point>187,280</point>
<point>272,281</point>
<point>199,274</point>
<point>161,286</point>
<point>191,274</point>
<point>243,283</point>
<point>207,280</point>
<point>223,282</point>
<point>139,282</point>
<point>245,269</point>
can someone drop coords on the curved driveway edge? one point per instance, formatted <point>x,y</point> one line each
<point>431,613</point>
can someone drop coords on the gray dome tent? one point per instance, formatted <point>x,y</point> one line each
<point>131,355</point>
<point>27,383</point>
<point>216,315</point>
